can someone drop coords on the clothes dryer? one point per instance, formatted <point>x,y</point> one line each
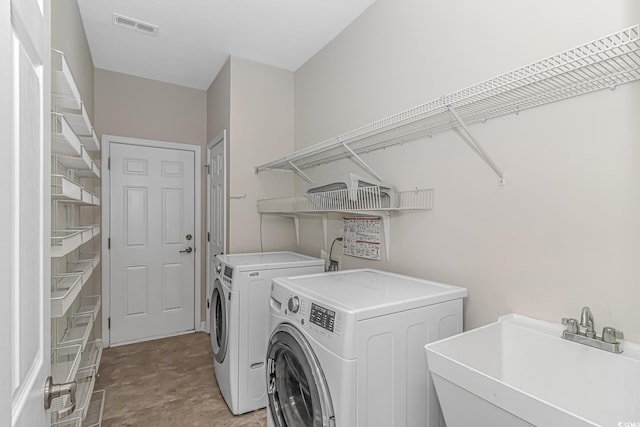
<point>347,349</point>
<point>239,316</point>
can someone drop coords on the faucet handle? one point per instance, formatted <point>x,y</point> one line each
<point>572,325</point>
<point>611,335</point>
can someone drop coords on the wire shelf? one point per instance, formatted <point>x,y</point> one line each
<point>95,411</point>
<point>93,171</point>
<point>78,331</point>
<point>91,142</point>
<point>90,305</point>
<point>86,381</point>
<point>63,139</point>
<point>92,356</point>
<point>64,90</point>
<point>64,291</point>
<point>78,119</point>
<point>65,362</point>
<point>360,199</point>
<point>64,241</point>
<point>94,257</point>
<point>81,162</point>
<point>62,188</point>
<point>601,64</point>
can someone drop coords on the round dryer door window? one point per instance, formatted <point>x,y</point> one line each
<point>219,327</point>
<point>297,390</point>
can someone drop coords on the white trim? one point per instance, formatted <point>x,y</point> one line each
<point>219,138</point>
<point>107,140</point>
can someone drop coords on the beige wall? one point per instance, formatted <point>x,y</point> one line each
<point>261,126</point>
<point>140,108</point>
<point>564,231</point>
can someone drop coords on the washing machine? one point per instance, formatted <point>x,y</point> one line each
<point>346,349</point>
<point>239,316</point>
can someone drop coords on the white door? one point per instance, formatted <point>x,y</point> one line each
<point>24,217</point>
<point>152,242</point>
<point>216,209</point>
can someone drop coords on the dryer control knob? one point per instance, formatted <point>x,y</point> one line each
<point>218,268</point>
<point>294,304</point>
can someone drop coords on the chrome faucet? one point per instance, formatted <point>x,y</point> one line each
<point>608,341</point>
<point>586,321</point>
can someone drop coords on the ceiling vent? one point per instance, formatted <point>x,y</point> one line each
<point>135,24</point>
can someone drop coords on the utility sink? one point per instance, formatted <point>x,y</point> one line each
<point>518,371</point>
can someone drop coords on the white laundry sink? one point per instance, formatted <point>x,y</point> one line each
<point>518,371</point>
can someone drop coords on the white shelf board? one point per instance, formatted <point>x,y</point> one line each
<point>64,241</point>
<point>64,291</point>
<point>92,172</point>
<point>91,142</point>
<point>78,331</point>
<point>92,356</point>
<point>81,162</point>
<point>63,139</point>
<point>63,189</point>
<point>90,305</point>
<point>600,64</point>
<point>64,91</point>
<point>65,362</point>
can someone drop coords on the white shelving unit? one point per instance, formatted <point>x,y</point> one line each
<point>364,201</point>
<point>76,352</point>
<point>604,63</point>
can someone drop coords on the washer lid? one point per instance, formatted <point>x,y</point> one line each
<point>269,260</point>
<point>370,293</point>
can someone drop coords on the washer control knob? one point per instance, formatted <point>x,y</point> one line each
<point>294,304</point>
<point>218,268</point>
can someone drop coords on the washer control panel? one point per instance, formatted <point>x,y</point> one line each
<point>227,275</point>
<point>322,317</point>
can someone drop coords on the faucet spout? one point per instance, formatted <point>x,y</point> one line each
<point>586,321</point>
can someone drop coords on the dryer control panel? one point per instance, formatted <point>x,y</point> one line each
<point>227,274</point>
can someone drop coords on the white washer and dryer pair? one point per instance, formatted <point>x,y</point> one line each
<point>239,316</point>
<point>347,349</point>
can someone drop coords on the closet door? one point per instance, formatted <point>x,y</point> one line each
<point>24,218</point>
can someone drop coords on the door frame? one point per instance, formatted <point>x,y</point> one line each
<point>107,140</point>
<point>220,138</point>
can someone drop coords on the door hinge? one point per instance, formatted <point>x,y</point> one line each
<point>208,169</point>
<point>109,163</point>
<point>109,323</point>
<point>208,236</point>
<point>208,303</point>
<point>109,243</point>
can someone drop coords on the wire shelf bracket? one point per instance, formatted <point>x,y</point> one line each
<point>476,146</point>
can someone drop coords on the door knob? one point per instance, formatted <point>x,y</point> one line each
<point>188,250</point>
<point>51,391</point>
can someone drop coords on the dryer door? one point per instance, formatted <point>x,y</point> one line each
<point>296,386</point>
<point>219,325</point>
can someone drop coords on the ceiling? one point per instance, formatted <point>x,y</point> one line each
<point>195,37</point>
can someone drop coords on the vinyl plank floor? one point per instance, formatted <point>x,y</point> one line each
<point>166,383</point>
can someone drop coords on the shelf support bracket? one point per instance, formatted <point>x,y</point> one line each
<point>476,146</point>
<point>325,227</point>
<point>361,162</point>
<point>302,174</point>
<point>296,224</point>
